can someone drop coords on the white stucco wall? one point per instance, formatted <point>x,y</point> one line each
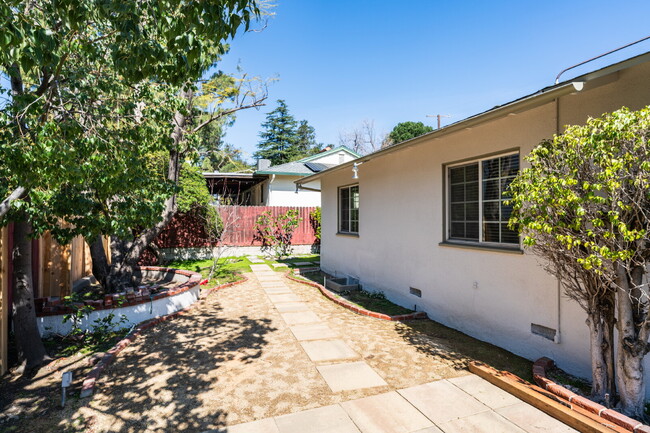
<point>49,325</point>
<point>493,296</point>
<point>282,192</point>
<point>334,158</point>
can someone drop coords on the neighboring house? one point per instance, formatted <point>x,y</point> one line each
<point>424,220</point>
<point>275,185</point>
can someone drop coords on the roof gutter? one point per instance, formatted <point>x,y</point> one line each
<point>515,107</point>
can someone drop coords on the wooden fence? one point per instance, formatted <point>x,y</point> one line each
<point>187,231</point>
<point>54,269</point>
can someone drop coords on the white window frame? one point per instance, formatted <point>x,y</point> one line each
<point>350,208</point>
<point>481,222</point>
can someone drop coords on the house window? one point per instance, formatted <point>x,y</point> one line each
<point>477,212</point>
<point>349,209</point>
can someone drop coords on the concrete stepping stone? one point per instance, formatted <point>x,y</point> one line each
<point>255,260</point>
<point>263,267</point>
<point>300,317</point>
<point>262,426</point>
<point>287,297</point>
<point>278,290</point>
<point>442,402</point>
<point>350,375</point>
<point>327,419</point>
<point>280,265</point>
<point>481,422</point>
<point>532,419</point>
<point>313,331</point>
<point>482,390</point>
<point>386,413</point>
<point>328,350</point>
<point>291,307</point>
<point>303,263</point>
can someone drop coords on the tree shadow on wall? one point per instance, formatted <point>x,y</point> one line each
<point>167,384</point>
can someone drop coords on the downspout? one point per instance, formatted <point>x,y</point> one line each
<point>557,338</point>
<point>268,196</point>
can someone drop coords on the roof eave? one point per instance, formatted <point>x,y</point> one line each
<point>536,99</point>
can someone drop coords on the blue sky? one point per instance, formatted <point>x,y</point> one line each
<point>342,62</point>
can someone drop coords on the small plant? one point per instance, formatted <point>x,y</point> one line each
<point>376,295</point>
<point>275,233</point>
<point>314,219</point>
<point>102,329</point>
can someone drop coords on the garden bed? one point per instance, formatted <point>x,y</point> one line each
<point>174,290</point>
<point>368,304</point>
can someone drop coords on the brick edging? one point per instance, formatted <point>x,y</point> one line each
<point>91,378</point>
<point>539,375</point>
<point>328,294</point>
<point>52,306</point>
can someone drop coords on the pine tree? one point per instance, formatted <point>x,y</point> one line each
<point>306,139</point>
<point>279,139</point>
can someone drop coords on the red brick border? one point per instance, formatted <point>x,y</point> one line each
<point>328,294</point>
<point>53,306</point>
<point>539,374</point>
<point>91,379</point>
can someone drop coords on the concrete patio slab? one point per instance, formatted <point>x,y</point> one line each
<point>291,307</point>
<point>288,297</point>
<point>255,260</point>
<point>278,290</point>
<point>261,426</point>
<point>328,350</point>
<point>350,375</point>
<point>441,401</point>
<point>484,422</point>
<point>386,413</point>
<point>300,317</point>
<point>482,390</point>
<point>532,419</point>
<point>327,419</point>
<point>313,331</point>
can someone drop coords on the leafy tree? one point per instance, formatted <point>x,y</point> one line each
<point>306,139</point>
<point>584,205</point>
<point>284,139</point>
<point>76,91</point>
<point>406,130</point>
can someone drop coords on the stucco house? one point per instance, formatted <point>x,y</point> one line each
<point>275,185</point>
<point>424,220</point>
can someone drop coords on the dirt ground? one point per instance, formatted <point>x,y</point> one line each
<point>232,359</point>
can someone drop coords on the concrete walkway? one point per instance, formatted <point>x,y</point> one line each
<point>462,404</point>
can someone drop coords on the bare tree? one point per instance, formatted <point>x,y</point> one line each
<point>364,138</point>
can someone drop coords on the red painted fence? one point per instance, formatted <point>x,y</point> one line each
<point>186,231</point>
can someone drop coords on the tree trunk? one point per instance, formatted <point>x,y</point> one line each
<point>601,334</point>
<point>140,244</point>
<point>630,377</point>
<point>101,268</point>
<point>31,351</point>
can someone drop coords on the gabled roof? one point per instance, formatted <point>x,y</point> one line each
<point>538,98</point>
<point>305,166</point>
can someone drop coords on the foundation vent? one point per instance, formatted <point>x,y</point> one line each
<point>415,292</point>
<point>543,331</point>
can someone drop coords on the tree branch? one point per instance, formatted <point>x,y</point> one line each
<point>17,194</point>
<point>214,117</point>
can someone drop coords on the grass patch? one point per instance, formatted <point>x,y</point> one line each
<point>372,301</point>
<point>228,269</point>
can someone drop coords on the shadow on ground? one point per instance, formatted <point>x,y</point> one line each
<point>435,339</point>
<point>165,386</point>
